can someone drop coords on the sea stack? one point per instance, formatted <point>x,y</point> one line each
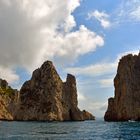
<point>45,97</point>
<point>125,105</point>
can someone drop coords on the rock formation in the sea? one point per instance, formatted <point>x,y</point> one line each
<point>47,98</point>
<point>8,101</point>
<point>126,103</point>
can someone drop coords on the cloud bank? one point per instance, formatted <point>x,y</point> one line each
<point>105,70</point>
<point>33,31</point>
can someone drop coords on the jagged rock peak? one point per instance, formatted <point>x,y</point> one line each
<point>47,64</point>
<point>71,78</point>
<point>126,103</point>
<point>46,97</point>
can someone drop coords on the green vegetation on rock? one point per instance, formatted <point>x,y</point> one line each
<point>7,91</point>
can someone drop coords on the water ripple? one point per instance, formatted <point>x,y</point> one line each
<point>87,130</point>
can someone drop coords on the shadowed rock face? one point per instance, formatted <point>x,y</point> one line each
<point>126,103</point>
<point>46,98</point>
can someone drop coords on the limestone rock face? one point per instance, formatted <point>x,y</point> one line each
<point>126,103</point>
<point>88,116</point>
<point>46,98</point>
<point>8,101</point>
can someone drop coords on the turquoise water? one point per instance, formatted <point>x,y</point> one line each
<point>87,130</point>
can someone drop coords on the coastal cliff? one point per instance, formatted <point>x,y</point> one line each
<point>8,101</point>
<point>126,103</point>
<point>45,97</point>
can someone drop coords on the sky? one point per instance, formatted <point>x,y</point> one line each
<point>82,37</point>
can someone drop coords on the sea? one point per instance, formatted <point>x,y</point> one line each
<point>83,130</point>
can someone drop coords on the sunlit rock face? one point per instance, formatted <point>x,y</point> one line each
<point>47,98</point>
<point>8,101</point>
<point>126,103</point>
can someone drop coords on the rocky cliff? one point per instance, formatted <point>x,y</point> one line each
<point>8,101</point>
<point>45,97</point>
<point>126,103</point>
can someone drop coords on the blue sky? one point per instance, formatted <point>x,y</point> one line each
<point>120,38</point>
<point>86,38</point>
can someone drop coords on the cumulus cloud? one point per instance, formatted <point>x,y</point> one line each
<point>102,17</point>
<point>33,31</point>
<point>74,44</point>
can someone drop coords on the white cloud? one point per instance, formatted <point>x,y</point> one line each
<point>105,83</point>
<point>136,13</point>
<point>134,9</point>
<point>97,108</point>
<point>8,74</point>
<point>106,72</point>
<point>128,11</point>
<point>84,102</point>
<point>81,97</point>
<point>102,17</point>
<point>94,69</point>
<point>102,69</point>
<point>67,48</point>
<point>33,31</point>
